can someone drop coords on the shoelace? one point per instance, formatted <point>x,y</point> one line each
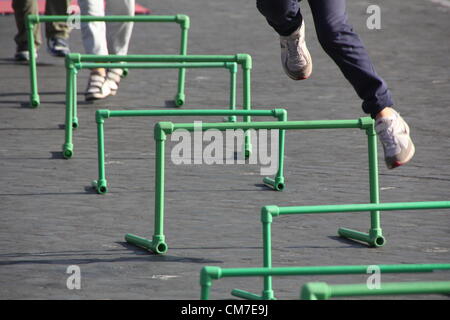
<point>293,52</point>
<point>387,138</point>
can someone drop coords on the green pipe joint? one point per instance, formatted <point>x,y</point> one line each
<point>374,238</point>
<point>67,150</point>
<point>101,186</point>
<point>156,245</point>
<point>277,184</point>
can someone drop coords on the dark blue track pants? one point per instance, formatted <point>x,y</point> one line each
<point>339,41</point>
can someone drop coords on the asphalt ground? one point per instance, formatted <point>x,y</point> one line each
<point>51,219</point>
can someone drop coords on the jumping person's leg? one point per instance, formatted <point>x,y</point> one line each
<point>344,46</point>
<point>285,17</point>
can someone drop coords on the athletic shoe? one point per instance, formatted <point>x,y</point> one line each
<point>397,144</point>
<point>295,57</point>
<point>23,55</point>
<point>57,47</point>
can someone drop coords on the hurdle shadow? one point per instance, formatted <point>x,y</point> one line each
<point>263,187</point>
<point>12,61</point>
<point>26,104</point>
<point>164,258</point>
<point>170,104</point>
<point>350,243</point>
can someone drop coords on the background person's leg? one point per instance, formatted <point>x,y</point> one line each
<point>94,42</point>
<point>56,29</point>
<point>119,34</point>
<point>93,33</point>
<point>57,33</point>
<point>282,15</point>
<point>344,46</point>
<point>22,8</point>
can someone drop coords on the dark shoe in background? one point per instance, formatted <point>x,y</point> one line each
<point>58,47</point>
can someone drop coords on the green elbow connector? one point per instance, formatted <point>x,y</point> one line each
<point>68,150</point>
<point>376,238</point>
<point>277,184</point>
<point>183,20</point>
<point>281,114</point>
<point>162,129</point>
<point>268,212</point>
<point>209,273</point>
<point>101,115</point>
<point>32,18</point>
<point>245,60</point>
<point>179,99</point>
<point>315,291</point>
<point>73,58</point>
<point>366,123</point>
<point>101,186</point>
<point>232,66</point>
<point>156,245</point>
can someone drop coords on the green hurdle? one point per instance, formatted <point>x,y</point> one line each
<point>323,291</point>
<point>32,20</point>
<point>210,273</point>
<point>269,212</point>
<point>162,129</point>
<point>100,185</point>
<point>77,61</point>
<point>158,243</point>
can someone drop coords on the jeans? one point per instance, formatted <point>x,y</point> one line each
<point>339,41</point>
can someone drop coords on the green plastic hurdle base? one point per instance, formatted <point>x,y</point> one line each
<point>100,186</point>
<point>157,245</point>
<point>35,101</point>
<point>374,238</point>
<point>267,295</point>
<point>276,184</point>
<point>323,291</point>
<point>210,273</point>
<point>67,150</point>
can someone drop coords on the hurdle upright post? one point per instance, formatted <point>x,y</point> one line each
<point>232,67</point>
<point>158,244</point>
<point>30,24</point>
<point>68,144</point>
<point>375,236</point>
<point>184,22</point>
<point>246,61</point>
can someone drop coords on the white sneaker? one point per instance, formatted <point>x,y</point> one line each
<point>295,57</point>
<point>397,144</point>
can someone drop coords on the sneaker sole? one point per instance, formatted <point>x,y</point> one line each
<point>397,164</point>
<point>296,77</point>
